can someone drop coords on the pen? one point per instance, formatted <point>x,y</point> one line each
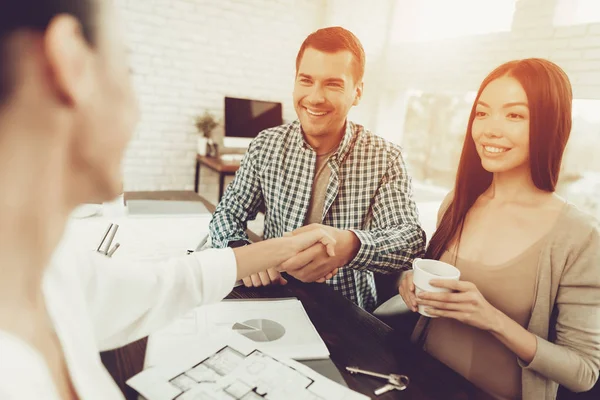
<point>200,245</point>
<point>202,242</point>
<point>111,238</point>
<point>112,251</point>
<point>104,237</point>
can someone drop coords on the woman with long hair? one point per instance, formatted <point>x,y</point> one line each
<point>66,114</point>
<point>525,315</point>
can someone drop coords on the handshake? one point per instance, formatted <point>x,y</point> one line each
<point>315,263</point>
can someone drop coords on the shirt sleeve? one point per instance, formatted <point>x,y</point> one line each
<point>240,202</point>
<point>129,300</point>
<point>395,236</point>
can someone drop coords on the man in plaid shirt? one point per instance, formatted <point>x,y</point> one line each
<point>323,170</point>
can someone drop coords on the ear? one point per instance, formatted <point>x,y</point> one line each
<point>358,94</point>
<point>69,58</point>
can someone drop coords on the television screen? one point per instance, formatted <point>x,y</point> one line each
<point>245,118</point>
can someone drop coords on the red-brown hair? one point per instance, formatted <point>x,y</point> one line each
<point>549,98</point>
<point>332,40</point>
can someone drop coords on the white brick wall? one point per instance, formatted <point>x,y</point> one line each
<point>187,55</point>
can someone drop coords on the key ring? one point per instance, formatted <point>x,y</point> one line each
<point>403,383</point>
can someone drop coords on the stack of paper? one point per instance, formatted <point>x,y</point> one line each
<point>165,207</point>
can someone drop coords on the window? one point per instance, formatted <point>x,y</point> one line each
<point>434,131</point>
<point>580,174</point>
<point>574,12</point>
<point>427,20</point>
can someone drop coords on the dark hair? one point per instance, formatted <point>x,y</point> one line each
<point>332,40</point>
<point>36,15</point>
<point>550,97</point>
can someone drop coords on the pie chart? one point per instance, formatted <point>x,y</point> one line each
<point>260,330</point>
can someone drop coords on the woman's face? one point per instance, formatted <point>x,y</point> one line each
<point>500,129</point>
<point>104,121</point>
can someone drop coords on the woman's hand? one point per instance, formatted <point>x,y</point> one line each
<point>273,253</point>
<point>466,305</point>
<point>309,237</point>
<point>407,290</point>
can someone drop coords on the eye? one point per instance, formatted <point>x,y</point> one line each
<point>513,115</point>
<point>480,114</point>
<point>305,81</point>
<point>335,85</point>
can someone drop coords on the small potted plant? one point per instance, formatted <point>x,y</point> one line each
<point>205,124</point>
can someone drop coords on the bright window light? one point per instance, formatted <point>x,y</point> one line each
<point>575,12</point>
<point>429,20</point>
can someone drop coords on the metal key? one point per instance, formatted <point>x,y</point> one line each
<point>387,388</point>
<point>395,382</point>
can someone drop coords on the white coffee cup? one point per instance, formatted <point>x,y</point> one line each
<point>425,270</point>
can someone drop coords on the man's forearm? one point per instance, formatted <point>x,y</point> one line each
<point>388,250</point>
<point>351,246</point>
<point>223,229</point>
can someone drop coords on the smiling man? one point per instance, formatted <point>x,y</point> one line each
<point>325,171</point>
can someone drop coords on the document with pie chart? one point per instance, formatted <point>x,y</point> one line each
<point>280,327</point>
<point>260,330</point>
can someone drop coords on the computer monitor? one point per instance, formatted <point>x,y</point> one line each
<point>246,118</point>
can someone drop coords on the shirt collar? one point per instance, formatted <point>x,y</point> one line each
<point>343,148</point>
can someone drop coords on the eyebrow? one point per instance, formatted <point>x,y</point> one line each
<point>507,105</point>
<point>334,80</point>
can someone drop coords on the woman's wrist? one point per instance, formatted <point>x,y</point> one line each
<point>518,339</point>
<point>499,323</point>
<point>289,247</point>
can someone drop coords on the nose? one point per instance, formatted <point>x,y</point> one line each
<point>491,133</point>
<point>316,95</point>
<point>493,127</point>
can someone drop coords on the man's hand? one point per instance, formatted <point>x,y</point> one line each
<point>314,264</point>
<point>294,244</point>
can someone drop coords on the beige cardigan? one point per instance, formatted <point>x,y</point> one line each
<point>566,311</point>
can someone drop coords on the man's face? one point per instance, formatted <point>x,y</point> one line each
<point>324,91</point>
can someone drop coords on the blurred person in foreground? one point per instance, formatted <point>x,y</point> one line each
<point>67,112</point>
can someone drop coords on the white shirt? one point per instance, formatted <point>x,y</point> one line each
<point>98,304</point>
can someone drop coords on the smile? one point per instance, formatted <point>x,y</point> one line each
<point>316,113</point>
<point>495,150</point>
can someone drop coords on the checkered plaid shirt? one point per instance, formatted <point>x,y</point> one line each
<point>369,193</point>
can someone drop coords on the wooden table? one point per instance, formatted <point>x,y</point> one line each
<point>353,336</point>
<point>357,338</point>
<point>217,164</point>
